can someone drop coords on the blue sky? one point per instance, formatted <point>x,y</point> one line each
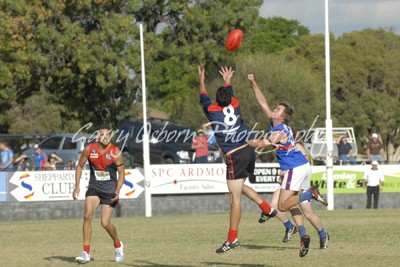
<point>344,15</point>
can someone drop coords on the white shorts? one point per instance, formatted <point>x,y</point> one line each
<point>297,179</point>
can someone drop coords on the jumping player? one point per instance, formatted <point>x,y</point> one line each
<point>295,184</point>
<point>232,135</point>
<point>105,161</point>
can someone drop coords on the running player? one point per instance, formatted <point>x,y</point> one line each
<point>105,161</point>
<point>295,184</point>
<point>240,157</point>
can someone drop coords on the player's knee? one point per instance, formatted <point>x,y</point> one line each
<point>88,217</point>
<point>105,224</point>
<point>282,207</point>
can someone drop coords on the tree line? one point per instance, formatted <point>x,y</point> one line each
<point>66,63</point>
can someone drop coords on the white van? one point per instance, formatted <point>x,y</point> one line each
<point>315,143</point>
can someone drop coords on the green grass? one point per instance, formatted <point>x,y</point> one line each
<point>358,238</point>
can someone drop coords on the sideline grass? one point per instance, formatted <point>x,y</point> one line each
<point>358,238</point>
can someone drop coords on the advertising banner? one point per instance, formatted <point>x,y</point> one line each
<point>59,185</point>
<point>348,179</point>
<point>188,179</point>
<point>207,178</point>
<point>210,178</point>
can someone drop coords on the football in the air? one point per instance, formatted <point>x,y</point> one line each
<point>234,40</point>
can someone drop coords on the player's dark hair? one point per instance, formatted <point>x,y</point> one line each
<point>289,112</point>
<point>223,97</point>
<point>103,126</point>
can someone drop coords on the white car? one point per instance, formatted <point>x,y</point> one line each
<point>66,146</point>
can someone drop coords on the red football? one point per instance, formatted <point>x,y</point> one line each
<point>234,40</point>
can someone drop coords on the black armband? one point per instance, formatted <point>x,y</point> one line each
<point>121,164</point>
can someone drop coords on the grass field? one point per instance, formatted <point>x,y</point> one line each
<point>358,238</point>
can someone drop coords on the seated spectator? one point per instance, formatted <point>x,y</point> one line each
<point>345,151</point>
<point>52,161</point>
<point>22,164</point>
<point>375,151</point>
<point>70,165</point>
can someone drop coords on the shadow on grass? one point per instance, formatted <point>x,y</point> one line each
<point>268,247</point>
<point>148,263</point>
<point>61,258</point>
<point>235,264</point>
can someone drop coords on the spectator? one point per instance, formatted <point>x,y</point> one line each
<point>345,151</point>
<point>374,179</point>
<point>201,146</point>
<point>52,162</point>
<point>22,163</point>
<point>375,150</point>
<point>7,157</point>
<point>70,165</point>
<point>208,131</point>
<point>40,158</point>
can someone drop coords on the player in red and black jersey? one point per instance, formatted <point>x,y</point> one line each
<point>107,174</point>
<point>232,135</point>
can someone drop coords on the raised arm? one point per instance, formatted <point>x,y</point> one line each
<point>262,101</point>
<point>201,79</point>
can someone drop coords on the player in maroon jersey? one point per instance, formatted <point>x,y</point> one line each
<point>105,161</point>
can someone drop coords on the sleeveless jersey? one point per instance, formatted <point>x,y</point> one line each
<point>103,170</point>
<point>229,128</point>
<point>287,154</point>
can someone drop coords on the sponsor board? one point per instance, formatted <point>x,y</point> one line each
<point>207,178</point>
<point>210,178</point>
<point>59,185</point>
<point>348,179</point>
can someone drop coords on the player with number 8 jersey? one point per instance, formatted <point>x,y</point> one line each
<point>232,135</point>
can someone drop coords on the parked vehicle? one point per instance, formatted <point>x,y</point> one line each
<point>315,143</point>
<point>67,146</point>
<point>169,142</point>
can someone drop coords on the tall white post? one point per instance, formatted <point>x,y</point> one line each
<point>328,122</point>
<point>146,149</point>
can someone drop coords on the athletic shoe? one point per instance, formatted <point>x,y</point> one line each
<point>83,258</point>
<point>119,253</point>
<point>317,196</point>
<point>304,245</point>
<point>323,242</point>
<point>228,246</point>
<point>289,232</point>
<point>265,217</point>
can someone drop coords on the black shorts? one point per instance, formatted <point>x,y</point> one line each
<point>241,163</point>
<point>105,198</point>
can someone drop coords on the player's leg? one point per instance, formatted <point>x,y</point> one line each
<point>235,188</point>
<point>290,229</point>
<point>106,214</point>
<point>267,210</point>
<point>245,163</point>
<point>293,181</point>
<point>91,204</point>
<point>306,207</point>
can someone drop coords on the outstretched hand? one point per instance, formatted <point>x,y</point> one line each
<point>251,78</point>
<point>226,74</point>
<point>201,72</point>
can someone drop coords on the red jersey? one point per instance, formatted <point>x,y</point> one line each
<point>103,170</point>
